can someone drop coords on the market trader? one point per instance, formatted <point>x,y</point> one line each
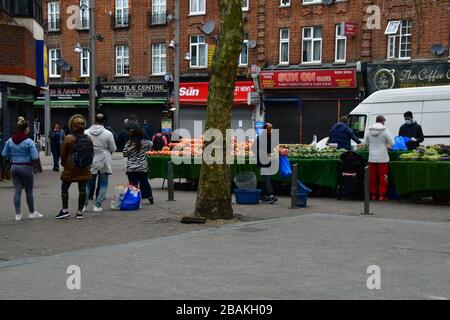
<point>342,134</point>
<point>267,187</point>
<point>411,129</point>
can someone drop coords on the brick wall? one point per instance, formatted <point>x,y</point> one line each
<point>17,52</point>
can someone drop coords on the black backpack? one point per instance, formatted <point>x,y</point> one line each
<point>83,151</point>
<point>159,143</point>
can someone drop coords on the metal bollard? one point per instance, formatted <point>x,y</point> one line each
<point>294,186</point>
<point>366,191</point>
<point>170,187</point>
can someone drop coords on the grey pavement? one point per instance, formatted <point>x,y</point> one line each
<point>267,252</point>
<point>301,257</point>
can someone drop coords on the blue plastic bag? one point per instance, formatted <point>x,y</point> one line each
<point>285,167</point>
<point>131,199</point>
<point>400,143</point>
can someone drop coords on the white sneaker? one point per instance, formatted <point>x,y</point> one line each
<point>98,209</point>
<point>35,215</point>
<point>84,209</point>
<point>18,217</point>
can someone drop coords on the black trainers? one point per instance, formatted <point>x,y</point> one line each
<point>265,199</point>
<point>62,214</point>
<point>272,199</point>
<point>150,199</point>
<point>79,215</point>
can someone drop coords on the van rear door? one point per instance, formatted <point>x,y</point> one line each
<point>436,121</point>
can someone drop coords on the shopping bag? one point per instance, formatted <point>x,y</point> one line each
<point>119,192</point>
<point>285,167</point>
<point>37,166</point>
<point>131,199</point>
<point>400,143</point>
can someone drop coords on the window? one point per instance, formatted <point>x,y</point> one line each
<point>197,7</point>
<point>199,50</point>
<point>158,59</point>
<point>84,14</point>
<point>312,45</point>
<point>245,5</point>
<point>358,124</point>
<point>53,56</point>
<point>84,63</point>
<point>399,39</point>
<point>243,57</point>
<point>122,61</point>
<point>311,1</point>
<point>159,9</point>
<point>53,16</point>
<point>122,17</point>
<point>284,46</point>
<point>341,44</point>
<point>285,3</point>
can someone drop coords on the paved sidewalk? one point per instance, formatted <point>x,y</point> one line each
<point>301,257</point>
<point>48,236</point>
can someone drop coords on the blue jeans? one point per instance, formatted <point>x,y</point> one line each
<point>103,185</point>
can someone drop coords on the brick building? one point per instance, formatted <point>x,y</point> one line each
<point>318,61</point>
<point>21,36</point>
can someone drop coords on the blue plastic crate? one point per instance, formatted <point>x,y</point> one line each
<point>301,200</point>
<point>247,196</point>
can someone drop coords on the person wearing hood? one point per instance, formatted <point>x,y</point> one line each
<point>378,140</point>
<point>71,172</point>
<point>411,129</point>
<point>21,150</point>
<point>342,135</point>
<point>104,146</point>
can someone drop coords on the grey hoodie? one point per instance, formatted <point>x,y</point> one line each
<point>378,140</point>
<point>104,146</point>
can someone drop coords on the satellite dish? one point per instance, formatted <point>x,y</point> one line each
<point>60,63</point>
<point>208,27</point>
<point>327,2</point>
<point>252,43</point>
<point>66,67</point>
<point>438,49</point>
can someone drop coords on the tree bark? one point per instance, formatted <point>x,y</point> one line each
<point>214,192</point>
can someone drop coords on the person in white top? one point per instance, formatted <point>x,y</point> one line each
<point>378,140</point>
<point>104,146</point>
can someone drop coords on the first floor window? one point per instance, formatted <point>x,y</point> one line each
<point>158,59</point>
<point>284,46</point>
<point>121,12</point>
<point>122,61</point>
<point>399,39</point>
<point>197,7</point>
<point>53,56</point>
<point>84,70</point>
<point>341,44</point>
<point>199,52</point>
<point>245,5</point>
<point>243,57</point>
<point>312,45</point>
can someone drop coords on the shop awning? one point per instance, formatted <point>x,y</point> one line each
<point>64,104</point>
<point>21,98</point>
<point>132,101</point>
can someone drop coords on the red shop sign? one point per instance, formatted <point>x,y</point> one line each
<point>349,28</point>
<point>197,92</point>
<point>340,78</point>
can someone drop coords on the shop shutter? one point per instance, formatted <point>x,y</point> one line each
<point>286,118</point>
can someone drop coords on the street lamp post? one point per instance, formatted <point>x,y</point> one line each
<point>92,57</point>
<point>176,83</point>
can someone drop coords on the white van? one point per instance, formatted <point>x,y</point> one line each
<point>430,107</point>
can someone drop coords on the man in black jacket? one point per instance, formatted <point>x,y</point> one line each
<point>411,129</point>
<point>267,188</point>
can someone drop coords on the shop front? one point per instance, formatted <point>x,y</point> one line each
<point>194,99</point>
<point>145,100</point>
<point>65,101</point>
<point>407,75</point>
<point>307,102</point>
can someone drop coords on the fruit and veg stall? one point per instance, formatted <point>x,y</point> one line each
<point>425,171</point>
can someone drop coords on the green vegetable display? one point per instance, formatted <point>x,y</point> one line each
<point>437,152</point>
<point>306,151</point>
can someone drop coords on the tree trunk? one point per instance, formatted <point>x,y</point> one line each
<point>214,192</point>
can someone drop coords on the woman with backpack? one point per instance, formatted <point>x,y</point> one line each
<point>135,152</point>
<point>77,153</point>
<point>21,150</point>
